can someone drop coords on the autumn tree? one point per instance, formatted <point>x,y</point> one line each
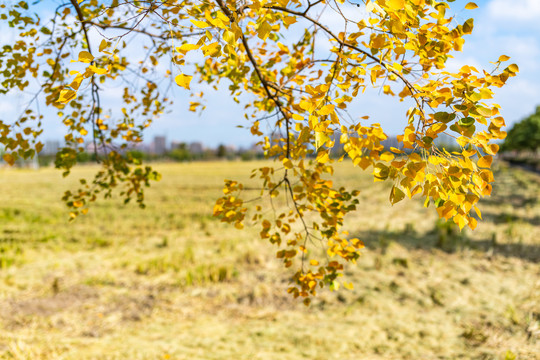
<point>524,135</point>
<point>293,71</point>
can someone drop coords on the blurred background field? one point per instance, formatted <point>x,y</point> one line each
<point>172,282</point>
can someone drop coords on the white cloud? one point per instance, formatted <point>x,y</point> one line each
<point>517,11</point>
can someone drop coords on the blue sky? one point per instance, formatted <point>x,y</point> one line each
<point>501,27</point>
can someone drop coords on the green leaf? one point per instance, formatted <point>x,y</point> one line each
<point>466,122</point>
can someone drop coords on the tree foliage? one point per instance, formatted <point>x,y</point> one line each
<point>295,74</point>
<point>524,135</point>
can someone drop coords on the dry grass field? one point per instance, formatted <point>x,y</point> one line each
<point>171,282</point>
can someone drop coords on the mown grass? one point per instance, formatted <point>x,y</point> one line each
<point>171,282</point>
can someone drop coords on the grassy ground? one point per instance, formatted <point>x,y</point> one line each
<point>170,282</point>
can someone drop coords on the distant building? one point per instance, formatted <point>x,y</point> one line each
<point>196,148</point>
<point>50,147</point>
<point>159,145</point>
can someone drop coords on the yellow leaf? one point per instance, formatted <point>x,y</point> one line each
<point>85,57</point>
<point>396,4</point>
<point>326,109</point>
<point>321,138</point>
<point>187,47</point>
<point>183,80</point>
<point>498,122</point>
<point>287,163</point>
<point>387,156</point>
<point>513,68</point>
<point>323,157</point>
<point>484,111</point>
<point>297,117</point>
<point>289,20</point>
<point>468,153</point>
<point>213,49</point>
<point>313,262</point>
<point>263,30</point>
<point>396,195</point>
<point>471,6</point>
<point>504,58</point>
<point>229,37</point>
<point>78,204</point>
<point>66,96</point>
<point>461,221</point>
<point>416,190</point>
<point>472,223</point>
<point>103,45</point>
<point>491,149</point>
<point>363,162</point>
<point>485,161</point>
<point>97,70</point>
<point>380,172</point>
<point>200,24</point>
<point>239,225</point>
<point>478,212</point>
<point>76,83</point>
<point>468,26</point>
<point>9,159</point>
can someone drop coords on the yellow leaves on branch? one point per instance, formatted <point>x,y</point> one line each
<point>302,93</point>
<point>85,57</point>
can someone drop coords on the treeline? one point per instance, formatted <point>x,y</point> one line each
<point>522,144</point>
<point>180,153</point>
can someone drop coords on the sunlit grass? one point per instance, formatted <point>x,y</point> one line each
<point>172,282</point>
